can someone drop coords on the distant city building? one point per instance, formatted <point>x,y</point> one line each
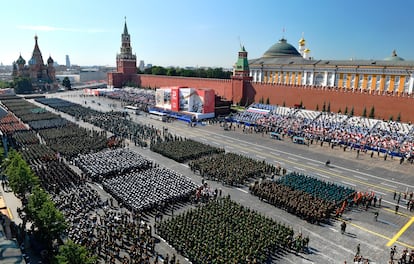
<point>67,62</point>
<point>126,64</point>
<point>141,66</point>
<point>43,77</point>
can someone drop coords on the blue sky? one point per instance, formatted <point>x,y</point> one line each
<point>204,33</point>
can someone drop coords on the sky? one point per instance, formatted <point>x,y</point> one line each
<point>203,33</point>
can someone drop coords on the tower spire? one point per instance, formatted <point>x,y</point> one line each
<point>125,27</point>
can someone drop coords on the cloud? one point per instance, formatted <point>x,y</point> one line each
<point>50,28</point>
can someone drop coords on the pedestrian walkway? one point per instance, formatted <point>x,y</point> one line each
<point>10,251</point>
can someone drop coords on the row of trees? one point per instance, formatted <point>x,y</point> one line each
<point>40,210</point>
<point>23,85</point>
<point>217,73</point>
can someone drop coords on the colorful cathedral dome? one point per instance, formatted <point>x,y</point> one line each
<point>394,57</point>
<point>281,49</point>
<point>50,60</point>
<point>20,61</point>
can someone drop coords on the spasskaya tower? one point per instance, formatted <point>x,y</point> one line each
<point>126,63</point>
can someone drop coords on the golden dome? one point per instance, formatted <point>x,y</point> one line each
<point>302,41</point>
<point>306,50</point>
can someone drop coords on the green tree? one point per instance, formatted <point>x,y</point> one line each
<point>364,112</point>
<point>72,253</point>
<point>21,177</point>
<point>317,107</point>
<point>6,84</point>
<point>372,112</point>
<point>284,104</point>
<point>346,110</point>
<point>352,112</point>
<point>339,111</point>
<point>268,100</point>
<point>324,107</point>
<point>328,109</point>
<point>158,70</point>
<point>22,85</point>
<point>391,118</point>
<point>41,210</point>
<point>66,83</point>
<point>398,117</point>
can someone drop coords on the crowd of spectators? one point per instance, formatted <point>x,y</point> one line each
<point>391,137</point>
<point>141,98</point>
<point>223,231</point>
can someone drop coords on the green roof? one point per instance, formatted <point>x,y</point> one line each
<point>394,57</point>
<point>281,49</point>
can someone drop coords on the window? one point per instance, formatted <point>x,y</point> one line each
<point>345,82</point>
<point>406,84</point>
<point>369,82</point>
<point>360,81</point>
<point>396,83</point>
<point>352,85</point>
<point>387,83</point>
<point>377,85</point>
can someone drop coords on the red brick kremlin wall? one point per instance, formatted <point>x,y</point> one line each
<point>385,105</point>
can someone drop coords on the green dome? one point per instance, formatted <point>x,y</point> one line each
<point>281,49</point>
<point>20,60</point>
<point>50,60</point>
<point>394,57</point>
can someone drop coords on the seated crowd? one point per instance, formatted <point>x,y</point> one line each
<point>390,137</point>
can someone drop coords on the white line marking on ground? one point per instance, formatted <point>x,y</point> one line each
<point>359,177</point>
<point>390,185</point>
<point>274,153</point>
<point>260,157</point>
<point>312,163</point>
<point>333,229</point>
<point>323,175</point>
<point>348,183</point>
<point>185,165</point>
<point>378,192</point>
<point>242,151</point>
<point>301,169</point>
<point>242,190</point>
<point>292,158</point>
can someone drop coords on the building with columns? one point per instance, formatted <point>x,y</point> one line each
<point>283,64</point>
<point>43,77</point>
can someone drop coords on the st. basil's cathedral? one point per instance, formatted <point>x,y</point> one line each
<point>42,76</point>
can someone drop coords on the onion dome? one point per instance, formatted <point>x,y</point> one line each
<point>302,42</point>
<point>281,49</point>
<point>306,50</point>
<point>20,60</point>
<point>394,57</point>
<point>50,60</point>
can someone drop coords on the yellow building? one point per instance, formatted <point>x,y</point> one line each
<point>282,63</point>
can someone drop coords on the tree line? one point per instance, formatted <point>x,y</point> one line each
<point>39,209</point>
<point>217,73</point>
